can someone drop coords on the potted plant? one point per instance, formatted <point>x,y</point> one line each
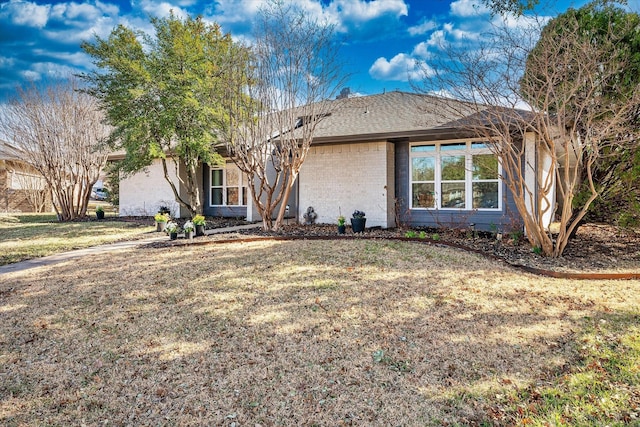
<point>172,229</point>
<point>99,212</point>
<point>161,221</point>
<point>358,221</point>
<point>341,227</point>
<point>200,224</point>
<point>189,229</point>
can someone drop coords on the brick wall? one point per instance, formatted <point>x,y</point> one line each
<point>346,177</point>
<point>16,200</point>
<point>143,193</point>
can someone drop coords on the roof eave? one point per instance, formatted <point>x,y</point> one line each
<point>414,135</point>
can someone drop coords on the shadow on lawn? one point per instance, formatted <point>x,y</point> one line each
<point>284,333</point>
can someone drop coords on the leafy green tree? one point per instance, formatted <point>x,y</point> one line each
<point>163,95</point>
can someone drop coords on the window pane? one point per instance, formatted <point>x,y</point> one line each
<point>449,147</point>
<point>233,176</point>
<point>423,196</point>
<point>479,145</point>
<point>485,195</point>
<point>244,196</point>
<point>216,177</point>
<point>453,195</point>
<point>453,168</point>
<point>423,169</point>
<point>423,148</point>
<point>232,196</point>
<point>216,196</point>
<point>485,166</point>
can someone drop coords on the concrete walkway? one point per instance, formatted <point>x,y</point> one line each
<point>101,249</point>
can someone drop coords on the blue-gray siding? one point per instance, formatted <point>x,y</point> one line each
<point>219,211</point>
<point>240,211</point>
<point>505,220</point>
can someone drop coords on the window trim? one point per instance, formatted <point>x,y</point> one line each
<point>437,153</point>
<point>242,186</point>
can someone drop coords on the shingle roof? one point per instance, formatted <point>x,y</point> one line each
<point>388,115</point>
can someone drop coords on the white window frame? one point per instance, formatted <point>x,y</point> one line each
<point>242,186</point>
<point>437,154</point>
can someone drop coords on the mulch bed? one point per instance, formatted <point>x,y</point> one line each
<point>596,248</point>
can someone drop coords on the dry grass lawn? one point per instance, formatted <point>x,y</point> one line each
<point>290,333</point>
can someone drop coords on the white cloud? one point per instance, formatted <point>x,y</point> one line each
<point>31,76</point>
<point>79,58</point>
<point>401,67</point>
<point>521,22</point>
<point>360,16</point>
<point>82,11</point>
<point>26,13</point>
<point>232,11</point>
<point>437,38</point>
<point>108,8</point>
<point>421,50</point>
<point>52,70</point>
<point>422,28</point>
<point>162,9</point>
<point>467,8</point>
<point>458,34</point>
<point>360,10</point>
<point>6,62</point>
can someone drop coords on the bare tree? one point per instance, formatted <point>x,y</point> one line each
<point>545,105</point>
<point>60,130</point>
<point>275,105</point>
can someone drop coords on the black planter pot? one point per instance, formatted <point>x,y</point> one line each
<point>173,236</point>
<point>342,229</point>
<point>199,230</point>
<point>357,224</point>
<point>100,214</point>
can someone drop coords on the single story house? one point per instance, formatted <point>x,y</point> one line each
<point>22,189</point>
<point>386,155</point>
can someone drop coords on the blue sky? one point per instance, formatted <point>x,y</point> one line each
<point>40,40</point>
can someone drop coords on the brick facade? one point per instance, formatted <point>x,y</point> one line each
<point>341,178</point>
<point>17,200</point>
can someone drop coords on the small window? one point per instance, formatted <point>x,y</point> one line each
<point>228,187</point>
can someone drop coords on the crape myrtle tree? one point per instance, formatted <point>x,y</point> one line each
<point>281,90</point>
<point>600,111</point>
<point>553,83</point>
<point>61,132</point>
<point>163,96</point>
<point>617,172</point>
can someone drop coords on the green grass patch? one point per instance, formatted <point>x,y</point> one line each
<point>602,388</point>
<point>28,236</point>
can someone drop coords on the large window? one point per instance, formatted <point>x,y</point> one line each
<point>456,175</point>
<point>228,187</point>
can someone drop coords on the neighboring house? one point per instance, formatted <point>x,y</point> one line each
<point>22,189</point>
<point>386,155</point>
